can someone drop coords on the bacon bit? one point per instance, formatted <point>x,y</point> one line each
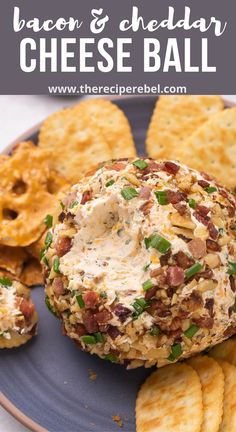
<point>92,375</point>
<point>121,311</point>
<point>27,308</point>
<point>194,301</point>
<point>146,207</point>
<point>63,246</point>
<point>203,219</point>
<point>183,260</point>
<point>150,293</point>
<point>175,324</point>
<point>90,322</point>
<point>197,247</point>
<point>214,233</point>
<point>213,246</point>
<point>157,308</point>
<point>231,211</point>
<point>145,192</point>
<point>171,167</point>
<point>170,292</point>
<point>153,166</point>
<point>206,274</point>
<point>174,197</point>
<point>117,166</point>
<point>103,317</point>
<point>61,217</point>
<point>223,193</point>
<point>206,322</point>
<point>58,286</point>
<point>87,196</point>
<point>207,176</point>
<point>164,259</point>
<point>156,272</point>
<point>232,283</point>
<point>181,208</point>
<point>91,299</point>
<point>113,331</point>
<point>209,304</point>
<point>117,419</point>
<point>203,183</point>
<point>175,276</point>
<point>80,329</point>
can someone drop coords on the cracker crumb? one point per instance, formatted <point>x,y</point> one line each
<point>92,375</point>
<point>117,419</point>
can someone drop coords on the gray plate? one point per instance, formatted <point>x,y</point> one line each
<point>47,379</point>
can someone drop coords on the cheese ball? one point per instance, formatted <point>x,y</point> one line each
<point>141,266</point>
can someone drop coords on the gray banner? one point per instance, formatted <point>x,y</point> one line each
<point>149,46</point>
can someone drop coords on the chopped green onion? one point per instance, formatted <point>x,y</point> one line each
<point>147,285</point>
<point>146,267</point>
<point>192,203</point>
<point>221,230</point>
<point>45,260</point>
<point>80,301</point>
<point>74,204</point>
<point>110,183</point>
<point>231,268</point>
<point>139,305</point>
<point>191,271</point>
<point>128,193</point>
<point>5,282</point>
<point>62,205</point>
<point>191,331</point>
<point>48,220</point>
<point>176,351</point>
<point>41,253</point>
<point>234,306</point>
<point>111,357</point>
<point>161,197</point>
<point>88,339</point>
<point>141,164</point>
<point>99,337</point>
<point>48,239</point>
<point>56,265</point>
<point>103,295</point>
<point>157,242</point>
<point>154,331</point>
<point>49,306</point>
<point>210,189</point>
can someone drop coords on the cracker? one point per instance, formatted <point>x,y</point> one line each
<point>225,351</point>
<point>25,195</point>
<point>174,119</point>
<point>74,143</point>
<point>212,381</point>
<point>113,124</point>
<point>229,405</point>
<point>32,273</point>
<point>170,400</point>
<point>212,148</point>
<point>12,259</point>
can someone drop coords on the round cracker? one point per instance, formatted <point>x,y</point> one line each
<point>29,191</point>
<point>113,124</point>
<point>174,119</point>
<point>212,148</point>
<point>225,351</point>
<point>170,400</point>
<point>212,381</point>
<point>74,143</point>
<point>229,405</point>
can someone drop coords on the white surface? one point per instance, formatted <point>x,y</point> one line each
<point>19,113</point>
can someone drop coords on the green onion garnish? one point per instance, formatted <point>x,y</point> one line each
<point>139,305</point>
<point>49,306</point>
<point>210,189</point>
<point>191,331</point>
<point>110,183</point>
<point>62,205</point>
<point>48,220</point>
<point>141,164</point>
<point>146,267</point>
<point>5,282</point>
<point>157,242</point>
<point>161,197</point>
<point>192,203</point>
<point>48,239</point>
<point>45,260</point>
<point>103,295</point>
<point>221,230</point>
<point>128,193</point>
<point>176,351</point>
<point>191,271</point>
<point>231,268</point>
<point>147,285</point>
<point>80,301</point>
<point>111,357</point>
<point>154,331</point>
<point>99,337</point>
<point>56,264</point>
<point>88,339</point>
<point>74,204</point>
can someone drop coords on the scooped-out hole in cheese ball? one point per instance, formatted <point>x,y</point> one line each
<point>141,266</point>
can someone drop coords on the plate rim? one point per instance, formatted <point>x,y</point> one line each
<point>4,401</point>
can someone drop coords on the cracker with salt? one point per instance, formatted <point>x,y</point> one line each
<point>170,400</point>
<point>225,351</point>
<point>212,148</point>
<point>212,381</point>
<point>174,119</point>
<point>229,405</point>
